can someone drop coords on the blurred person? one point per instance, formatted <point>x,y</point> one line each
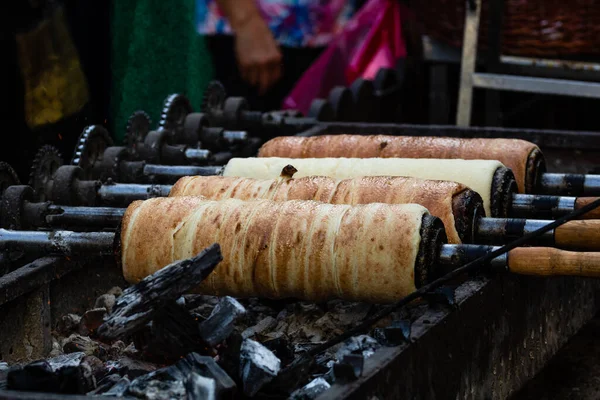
<point>260,48</point>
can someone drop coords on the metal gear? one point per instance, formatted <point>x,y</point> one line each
<point>8,177</point>
<point>213,99</point>
<point>172,119</point>
<point>90,148</point>
<point>138,126</point>
<point>47,160</point>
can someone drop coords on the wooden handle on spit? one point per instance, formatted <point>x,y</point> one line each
<point>546,261</point>
<point>578,235</point>
<point>580,202</point>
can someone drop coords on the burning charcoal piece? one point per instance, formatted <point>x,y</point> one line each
<point>263,325</point>
<point>350,368</point>
<point>258,366</point>
<point>106,301</point>
<point>443,295</point>
<point>362,344</point>
<point>397,333</point>
<point>68,324</point>
<point>198,387</point>
<point>63,374</point>
<point>170,382</point>
<point>140,303</point>
<point>77,343</point>
<point>91,320</point>
<point>311,391</point>
<point>219,325</point>
<point>119,388</point>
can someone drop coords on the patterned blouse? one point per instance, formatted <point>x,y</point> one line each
<point>294,23</point>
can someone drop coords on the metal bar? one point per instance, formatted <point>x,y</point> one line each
<point>549,63</point>
<point>195,155</point>
<point>469,57</point>
<point>32,276</point>
<point>123,194</point>
<point>504,230</point>
<point>58,242</point>
<point>561,87</point>
<point>180,171</point>
<point>570,184</point>
<point>98,217</point>
<point>541,206</point>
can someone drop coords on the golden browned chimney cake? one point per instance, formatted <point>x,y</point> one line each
<point>513,153</point>
<point>436,196</point>
<point>299,249</point>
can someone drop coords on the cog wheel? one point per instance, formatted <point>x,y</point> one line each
<point>213,99</point>
<point>138,126</point>
<point>172,119</point>
<point>90,148</point>
<point>47,160</point>
<point>8,177</point>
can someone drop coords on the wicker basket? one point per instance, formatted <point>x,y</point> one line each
<point>540,28</point>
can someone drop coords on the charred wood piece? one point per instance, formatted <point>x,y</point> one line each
<point>221,322</point>
<point>396,333</point>
<point>258,366</point>
<point>199,387</point>
<point>66,374</point>
<point>140,303</point>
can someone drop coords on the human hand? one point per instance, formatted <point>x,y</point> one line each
<point>258,55</point>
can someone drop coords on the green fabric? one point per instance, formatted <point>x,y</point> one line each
<point>156,51</point>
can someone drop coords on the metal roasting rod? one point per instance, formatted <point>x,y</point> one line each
<point>125,193</point>
<point>180,171</point>
<point>197,154</point>
<point>58,242</point>
<point>102,217</point>
<point>572,184</point>
<point>538,206</point>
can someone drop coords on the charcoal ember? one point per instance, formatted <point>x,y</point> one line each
<point>396,333</point>
<point>170,382</point>
<point>311,391</point>
<point>200,303</point>
<point>91,320</point>
<point>258,366</point>
<point>68,324</point>
<point>130,367</point>
<point>363,344</point>
<point>198,387</point>
<point>219,325</point>
<point>106,301</point>
<point>104,384</point>
<point>118,389</point>
<point>444,295</point>
<point>77,343</point>
<point>263,325</point>
<point>281,348</point>
<point>63,374</point>
<point>175,333</point>
<point>3,366</point>
<point>349,368</point>
<point>291,377</point>
<point>140,303</point>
